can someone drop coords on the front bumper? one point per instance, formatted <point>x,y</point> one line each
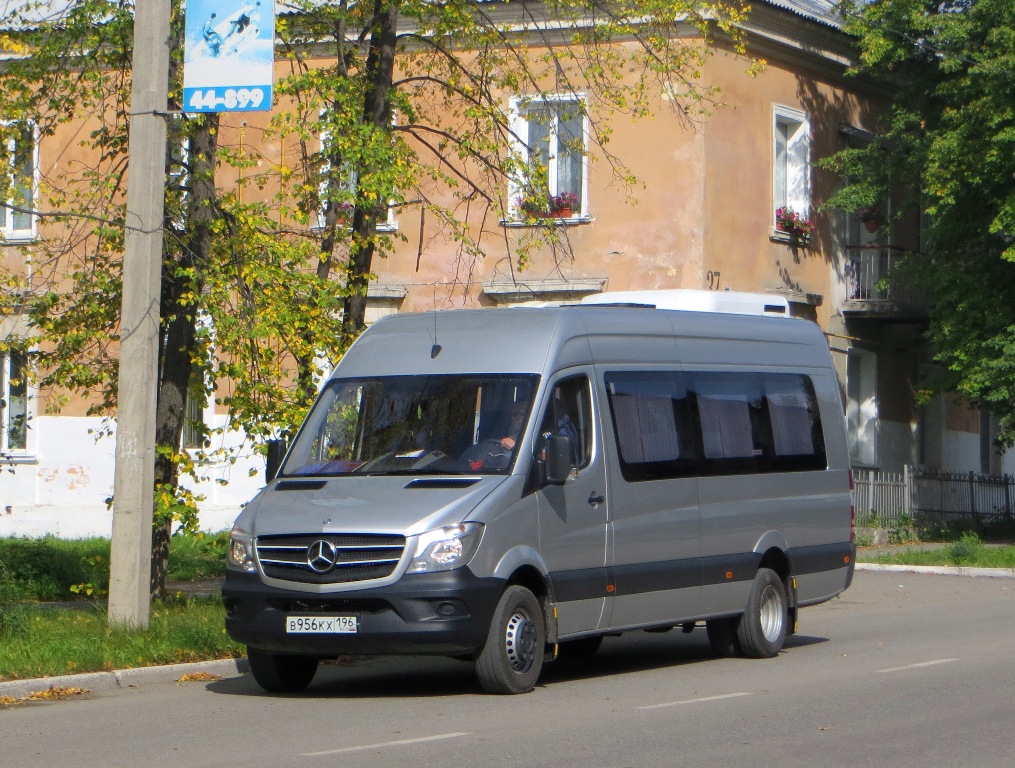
<point>441,614</point>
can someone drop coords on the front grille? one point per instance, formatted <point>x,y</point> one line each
<point>357,557</point>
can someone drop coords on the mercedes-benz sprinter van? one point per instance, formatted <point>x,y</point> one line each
<point>507,485</point>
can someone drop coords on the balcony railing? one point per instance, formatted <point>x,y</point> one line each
<point>868,284</point>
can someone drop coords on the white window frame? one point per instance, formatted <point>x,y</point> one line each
<point>520,108</point>
<point>8,231</point>
<point>388,224</point>
<point>6,449</point>
<point>791,161</point>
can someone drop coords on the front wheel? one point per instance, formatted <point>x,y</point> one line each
<point>762,628</point>
<point>279,673</point>
<point>512,657</point>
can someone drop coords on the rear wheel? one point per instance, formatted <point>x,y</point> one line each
<point>512,657</point>
<point>279,673</point>
<point>762,628</point>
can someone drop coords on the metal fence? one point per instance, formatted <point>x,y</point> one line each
<point>925,496</point>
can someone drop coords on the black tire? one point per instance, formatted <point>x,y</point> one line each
<point>512,656</point>
<point>762,628</point>
<point>582,648</point>
<point>722,636</point>
<point>278,673</point>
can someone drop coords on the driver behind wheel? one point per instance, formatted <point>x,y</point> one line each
<point>514,429</point>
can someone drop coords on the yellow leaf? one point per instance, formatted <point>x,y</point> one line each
<point>198,677</point>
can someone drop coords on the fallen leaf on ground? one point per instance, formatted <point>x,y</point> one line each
<point>56,693</point>
<point>201,677</point>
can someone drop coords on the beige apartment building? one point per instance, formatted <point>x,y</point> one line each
<point>703,217</point>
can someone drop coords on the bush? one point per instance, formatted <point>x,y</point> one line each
<point>51,569</point>
<point>967,550</point>
<point>46,569</point>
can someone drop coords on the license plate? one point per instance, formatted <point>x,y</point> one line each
<point>321,625</point>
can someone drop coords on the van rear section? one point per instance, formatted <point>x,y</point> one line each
<point>510,486</point>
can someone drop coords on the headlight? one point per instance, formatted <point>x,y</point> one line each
<point>447,548</point>
<point>241,551</point>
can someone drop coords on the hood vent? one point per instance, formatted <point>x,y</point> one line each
<point>300,485</point>
<point>444,482</point>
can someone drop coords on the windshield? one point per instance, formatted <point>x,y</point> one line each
<point>399,425</point>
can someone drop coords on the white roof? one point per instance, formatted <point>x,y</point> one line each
<point>690,299</point>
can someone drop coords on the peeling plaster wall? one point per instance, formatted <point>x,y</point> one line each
<point>63,490</point>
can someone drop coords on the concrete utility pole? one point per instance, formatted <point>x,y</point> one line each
<point>134,475</point>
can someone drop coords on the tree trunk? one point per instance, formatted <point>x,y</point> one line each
<point>380,70</point>
<point>179,333</point>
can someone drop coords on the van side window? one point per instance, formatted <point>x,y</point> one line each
<point>670,424</point>
<point>569,413</point>
<point>758,422</point>
<point>652,424</point>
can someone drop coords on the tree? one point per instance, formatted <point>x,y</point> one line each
<point>410,97</point>
<point>948,138</point>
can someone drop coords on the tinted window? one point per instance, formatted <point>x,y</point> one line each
<point>669,424</point>
<point>758,422</point>
<point>651,422</point>
<point>413,425</point>
<point>569,414</point>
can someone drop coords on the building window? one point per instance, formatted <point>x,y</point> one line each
<point>344,195</point>
<point>551,140</point>
<point>18,160</point>
<point>791,170</point>
<point>13,402</point>
<point>195,431</point>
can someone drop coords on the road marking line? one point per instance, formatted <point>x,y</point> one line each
<point>383,744</point>
<point>695,701</point>
<point>918,665</point>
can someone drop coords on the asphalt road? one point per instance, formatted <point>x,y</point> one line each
<point>902,670</point>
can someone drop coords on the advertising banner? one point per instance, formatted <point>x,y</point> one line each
<point>229,55</point>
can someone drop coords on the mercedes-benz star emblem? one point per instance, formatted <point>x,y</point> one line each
<point>321,556</point>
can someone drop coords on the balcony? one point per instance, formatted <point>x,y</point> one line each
<point>870,292</point>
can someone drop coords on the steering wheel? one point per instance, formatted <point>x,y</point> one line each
<point>487,454</point>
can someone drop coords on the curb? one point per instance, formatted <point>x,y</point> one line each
<point>123,678</point>
<point>941,570</point>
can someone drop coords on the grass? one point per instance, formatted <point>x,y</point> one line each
<point>969,551</point>
<point>40,640</point>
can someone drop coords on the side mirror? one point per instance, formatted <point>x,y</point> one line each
<point>558,466</point>
<point>276,452</point>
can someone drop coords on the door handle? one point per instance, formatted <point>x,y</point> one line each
<point>596,498</point>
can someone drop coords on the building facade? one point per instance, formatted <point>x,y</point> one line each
<point>706,216</point>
